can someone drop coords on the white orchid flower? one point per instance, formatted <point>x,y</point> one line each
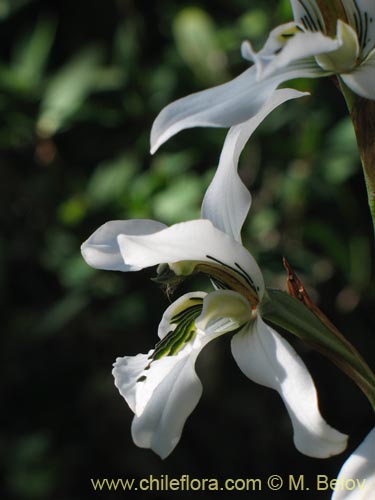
<point>297,49</point>
<point>161,387</point>
<point>356,479</point>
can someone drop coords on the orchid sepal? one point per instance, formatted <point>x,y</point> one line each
<point>287,312</point>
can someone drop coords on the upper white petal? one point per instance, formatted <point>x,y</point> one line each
<point>307,14</point>
<point>227,200</point>
<point>361,16</point>
<point>197,241</point>
<point>362,79</point>
<point>101,249</point>
<point>267,359</point>
<point>241,98</point>
<point>221,106</point>
<point>359,467</point>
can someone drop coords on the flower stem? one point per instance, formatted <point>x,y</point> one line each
<point>363,118</point>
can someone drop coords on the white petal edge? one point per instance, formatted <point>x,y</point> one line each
<point>221,106</point>
<point>359,467</point>
<point>227,200</point>
<point>362,80</point>
<point>268,359</point>
<point>192,241</point>
<point>101,249</point>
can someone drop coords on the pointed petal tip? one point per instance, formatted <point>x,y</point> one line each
<point>154,146</point>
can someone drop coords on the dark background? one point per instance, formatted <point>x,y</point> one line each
<point>80,84</point>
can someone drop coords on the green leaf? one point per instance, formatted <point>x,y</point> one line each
<point>31,53</point>
<point>68,89</point>
<point>9,7</point>
<point>196,41</point>
<point>110,180</point>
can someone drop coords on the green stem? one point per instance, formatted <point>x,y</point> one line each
<point>362,113</point>
<point>363,118</point>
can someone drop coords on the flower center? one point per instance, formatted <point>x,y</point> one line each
<point>231,278</point>
<point>224,276</point>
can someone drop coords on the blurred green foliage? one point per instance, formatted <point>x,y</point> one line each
<point>80,84</point>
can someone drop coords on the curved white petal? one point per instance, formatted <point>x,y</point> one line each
<point>345,58</point>
<point>267,359</point>
<point>227,200</point>
<point>101,249</point>
<point>361,16</point>
<point>194,241</point>
<point>223,311</point>
<point>307,14</point>
<point>221,106</point>
<point>361,80</point>
<point>360,469</point>
<point>160,426</point>
<point>162,392</point>
<point>241,98</point>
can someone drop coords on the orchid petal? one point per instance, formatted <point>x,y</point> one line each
<point>240,99</point>
<point>223,311</point>
<point>101,249</point>
<point>227,200</point>
<point>361,80</point>
<point>360,467</point>
<point>185,244</point>
<point>307,14</point>
<point>267,359</point>
<point>160,426</point>
<point>162,392</point>
<point>361,16</point>
<point>221,106</point>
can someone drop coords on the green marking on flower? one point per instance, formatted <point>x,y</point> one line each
<point>184,331</point>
